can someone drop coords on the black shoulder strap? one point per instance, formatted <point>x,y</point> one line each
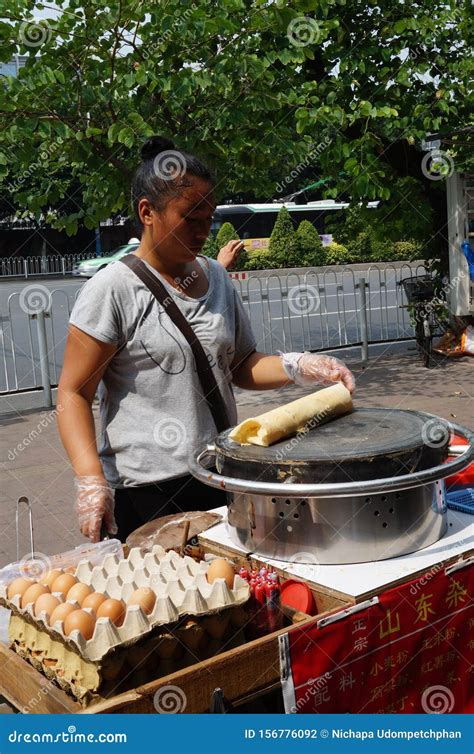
<point>212,394</point>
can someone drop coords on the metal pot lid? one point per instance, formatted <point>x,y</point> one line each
<point>364,434</point>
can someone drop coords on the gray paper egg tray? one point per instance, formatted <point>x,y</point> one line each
<point>180,585</point>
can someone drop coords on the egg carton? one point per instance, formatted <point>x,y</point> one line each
<point>181,589</point>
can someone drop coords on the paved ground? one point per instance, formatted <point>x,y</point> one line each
<point>33,463</point>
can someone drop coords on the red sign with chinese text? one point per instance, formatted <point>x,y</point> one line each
<point>413,651</point>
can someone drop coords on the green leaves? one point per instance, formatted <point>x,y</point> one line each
<point>249,85</point>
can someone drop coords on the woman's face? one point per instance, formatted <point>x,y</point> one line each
<point>178,232</point>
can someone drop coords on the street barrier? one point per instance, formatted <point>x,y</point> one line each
<point>314,311</point>
<point>50,264</point>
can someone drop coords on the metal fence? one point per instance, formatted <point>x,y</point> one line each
<point>329,309</point>
<point>50,264</point>
<point>290,312</point>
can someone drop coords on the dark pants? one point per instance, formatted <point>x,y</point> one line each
<point>134,506</point>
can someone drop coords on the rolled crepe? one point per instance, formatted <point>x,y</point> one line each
<point>297,416</point>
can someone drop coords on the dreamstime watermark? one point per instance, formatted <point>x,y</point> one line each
<point>317,689</point>
<point>425,579</point>
<point>315,421</point>
<point>170,33</point>
<point>169,165</point>
<point>421,311</point>
<point>169,432</point>
<point>303,31</point>
<point>438,700</point>
<point>437,165</point>
<point>34,298</point>
<point>44,155</point>
<point>308,559</point>
<point>435,433</point>
<point>170,700</point>
<point>315,150</point>
<point>303,299</point>
<point>35,565</point>
<point>69,736</point>
<point>46,419</point>
<point>45,686</point>
<point>35,33</point>
<point>181,285</point>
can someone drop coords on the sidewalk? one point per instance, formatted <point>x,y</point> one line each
<point>33,462</point>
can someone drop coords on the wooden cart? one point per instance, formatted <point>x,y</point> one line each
<point>243,673</point>
<point>252,669</point>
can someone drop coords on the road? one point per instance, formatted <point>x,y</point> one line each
<point>287,312</point>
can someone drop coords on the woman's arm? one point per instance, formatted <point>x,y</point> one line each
<point>85,361</point>
<point>260,371</point>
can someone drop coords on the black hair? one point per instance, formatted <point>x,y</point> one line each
<point>163,172</point>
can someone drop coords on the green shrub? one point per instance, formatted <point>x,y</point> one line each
<point>226,233</point>
<point>284,247</point>
<point>409,250</point>
<point>336,253</point>
<point>362,247</point>
<point>258,260</point>
<point>398,251</point>
<point>311,246</point>
<point>210,248</point>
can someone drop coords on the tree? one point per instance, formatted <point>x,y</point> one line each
<point>284,248</point>
<point>210,248</point>
<point>394,220</point>
<point>226,233</point>
<point>310,243</point>
<point>348,86</point>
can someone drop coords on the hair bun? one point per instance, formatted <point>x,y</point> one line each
<point>154,145</point>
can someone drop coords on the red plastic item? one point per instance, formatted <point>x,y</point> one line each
<point>260,595</point>
<point>463,478</point>
<point>298,595</point>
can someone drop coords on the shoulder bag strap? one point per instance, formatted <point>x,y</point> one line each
<point>212,394</point>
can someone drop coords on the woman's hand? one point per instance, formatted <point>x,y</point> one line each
<point>230,253</point>
<point>94,504</point>
<point>307,368</point>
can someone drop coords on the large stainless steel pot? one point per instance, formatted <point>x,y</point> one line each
<point>337,522</point>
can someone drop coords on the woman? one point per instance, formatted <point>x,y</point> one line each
<point>153,411</point>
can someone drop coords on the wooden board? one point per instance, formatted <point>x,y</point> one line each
<point>245,672</point>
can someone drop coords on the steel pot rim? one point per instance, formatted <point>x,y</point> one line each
<point>464,456</point>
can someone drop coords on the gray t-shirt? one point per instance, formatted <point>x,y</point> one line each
<point>153,413</point>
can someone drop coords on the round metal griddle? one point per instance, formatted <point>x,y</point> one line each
<point>369,443</point>
<point>365,487</point>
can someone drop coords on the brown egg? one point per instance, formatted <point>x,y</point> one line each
<point>47,603</point>
<point>144,597</point>
<point>221,569</point>
<point>61,612</point>
<point>19,586</point>
<point>32,593</point>
<point>63,583</point>
<point>94,600</point>
<point>81,621</point>
<point>49,578</point>
<point>113,609</point>
<point>79,592</point>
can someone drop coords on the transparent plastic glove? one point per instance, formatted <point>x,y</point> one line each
<point>307,368</point>
<point>94,504</point>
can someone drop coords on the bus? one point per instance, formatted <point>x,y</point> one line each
<point>256,221</point>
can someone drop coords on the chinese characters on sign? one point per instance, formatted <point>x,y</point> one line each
<point>413,651</point>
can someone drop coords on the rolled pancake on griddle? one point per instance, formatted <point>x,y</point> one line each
<point>297,416</point>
